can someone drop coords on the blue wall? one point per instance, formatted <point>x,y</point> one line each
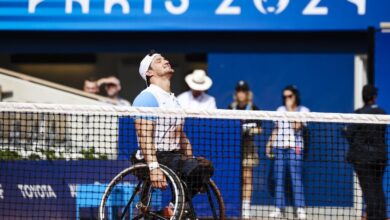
<point>325,80</point>
<point>326,85</point>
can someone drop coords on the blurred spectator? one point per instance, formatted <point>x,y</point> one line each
<point>91,86</point>
<point>197,98</point>
<point>250,158</point>
<point>286,145</point>
<point>368,154</point>
<point>5,94</point>
<point>112,87</point>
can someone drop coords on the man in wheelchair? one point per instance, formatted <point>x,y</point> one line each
<point>161,139</point>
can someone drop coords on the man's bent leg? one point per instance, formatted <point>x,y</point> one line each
<point>170,159</point>
<point>196,172</point>
<point>193,171</point>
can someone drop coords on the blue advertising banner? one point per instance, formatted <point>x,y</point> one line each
<point>73,189</point>
<point>50,187</point>
<point>192,15</point>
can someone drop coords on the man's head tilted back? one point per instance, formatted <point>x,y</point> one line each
<point>155,65</point>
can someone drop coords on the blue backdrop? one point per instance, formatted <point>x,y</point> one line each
<point>325,80</point>
<point>326,85</point>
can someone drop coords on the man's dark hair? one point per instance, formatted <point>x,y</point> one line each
<point>91,79</point>
<point>148,81</point>
<point>368,93</point>
<point>151,52</point>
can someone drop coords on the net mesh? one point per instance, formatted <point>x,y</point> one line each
<point>87,162</point>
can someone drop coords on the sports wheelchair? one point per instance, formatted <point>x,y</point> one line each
<point>148,203</point>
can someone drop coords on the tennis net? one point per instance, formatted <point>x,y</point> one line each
<point>57,162</point>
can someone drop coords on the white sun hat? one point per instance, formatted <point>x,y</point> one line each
<point>145,64</point>
<point>198,80</point>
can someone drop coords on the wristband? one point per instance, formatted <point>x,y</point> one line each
<point>153,165</point>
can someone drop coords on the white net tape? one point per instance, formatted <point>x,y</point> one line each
<point>109,110</point>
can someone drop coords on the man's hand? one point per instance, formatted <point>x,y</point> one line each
<point>268,151</point>
<point>157,178</point>
<point>109,80</point>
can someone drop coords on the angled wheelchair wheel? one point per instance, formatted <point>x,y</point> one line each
<point>130,196</point>
<point>206,205</point>
<point>216,201</point>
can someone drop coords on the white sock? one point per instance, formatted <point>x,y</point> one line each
<point>246,208</point>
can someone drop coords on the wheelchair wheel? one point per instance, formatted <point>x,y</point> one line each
<point>206,205</point>
<point>141,200</point>
<point>216,198</point>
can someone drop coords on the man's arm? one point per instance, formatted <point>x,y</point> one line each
<point>185,144</point>
<point>145,127</point>
<point>145,132</point>
<point>349,132</point>
<point>108,80</point>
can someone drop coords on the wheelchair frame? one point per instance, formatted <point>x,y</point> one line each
<point>179,193</point>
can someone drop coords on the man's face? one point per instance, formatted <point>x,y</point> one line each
<point>91,87</point>
<point>160,67</point>
<point>112,90</point>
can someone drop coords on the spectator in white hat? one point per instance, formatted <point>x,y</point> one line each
<point>196,97</point>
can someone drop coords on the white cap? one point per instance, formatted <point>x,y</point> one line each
<point>145,64</point>
<point>198,80</point>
